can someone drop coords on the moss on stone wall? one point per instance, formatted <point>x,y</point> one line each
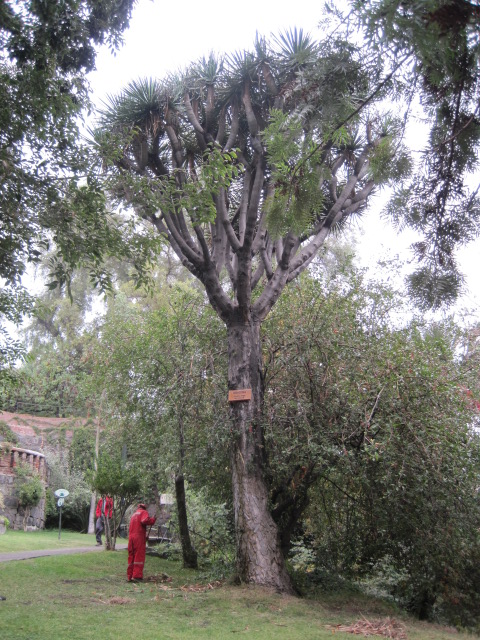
<point>6,434</point>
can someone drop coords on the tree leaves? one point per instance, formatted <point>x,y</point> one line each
<point>442,38</point>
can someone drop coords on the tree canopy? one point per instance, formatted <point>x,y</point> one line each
<point>187,150</point>
<point>46,50</point>
<point>434,48</point>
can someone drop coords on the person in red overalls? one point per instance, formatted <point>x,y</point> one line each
<point>104,510</point>
<point>137,542</point>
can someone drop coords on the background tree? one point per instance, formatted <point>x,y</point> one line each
<point>371,449</point>
<point>46,197</point>
<point>161,405</point>
<point>52,379</point>
<point>70,466</point>
<point>245,165</point>
<point>118,479</point>
<point>67,473</point>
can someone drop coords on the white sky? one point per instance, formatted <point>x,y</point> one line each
<point>166,36</point>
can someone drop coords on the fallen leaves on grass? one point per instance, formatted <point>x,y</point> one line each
<point>386,627</point>
<point>199,588</point>
<point>161,577</point>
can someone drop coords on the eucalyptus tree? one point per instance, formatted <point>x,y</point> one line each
<point>245,165</point>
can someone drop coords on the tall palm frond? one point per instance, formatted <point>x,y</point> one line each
<point>296,48</point>
<point>241,65</point>
<point>139,105</point>
<point>208,70</point>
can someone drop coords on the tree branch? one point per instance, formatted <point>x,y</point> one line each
<point>223,216</point>
<point>234,126</point>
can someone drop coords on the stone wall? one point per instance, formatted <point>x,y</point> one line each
<point>31,436</point>
<point>36,432</point>
<point>10,458</point>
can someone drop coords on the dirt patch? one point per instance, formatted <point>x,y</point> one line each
<point>114,600</point>
<point>85,580</point>
<point>386,627</point>
<point>74,581</point>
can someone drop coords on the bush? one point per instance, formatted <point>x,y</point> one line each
<point>209,525</point>
<point>29,487</point>
<point>4,520</point>
<point>169,551</point>
<point>30,492</point>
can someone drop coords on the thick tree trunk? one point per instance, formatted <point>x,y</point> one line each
<point>188,552</point>
<point>259,557</point>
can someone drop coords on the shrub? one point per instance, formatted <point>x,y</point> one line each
<point>4,520</point>
<point>30,492</point>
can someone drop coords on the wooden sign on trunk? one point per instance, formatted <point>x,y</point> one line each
<point>236,395</point>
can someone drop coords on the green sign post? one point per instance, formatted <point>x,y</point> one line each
<point>61,494</point>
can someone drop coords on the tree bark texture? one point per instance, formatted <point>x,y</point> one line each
<point>259,557</point>
<point>91,515</point>
<point>188,552</point>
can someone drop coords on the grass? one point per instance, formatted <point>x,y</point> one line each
<point>33,540</point>
<point>86,596</point>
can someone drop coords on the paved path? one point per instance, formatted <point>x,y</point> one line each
<point>26,555</point>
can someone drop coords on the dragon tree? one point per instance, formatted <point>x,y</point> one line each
<point>244,165</point>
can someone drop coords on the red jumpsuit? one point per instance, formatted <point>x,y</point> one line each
<point>137,540</point>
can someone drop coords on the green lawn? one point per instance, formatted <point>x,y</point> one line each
<point>86,596</point>
<point>34,540</point>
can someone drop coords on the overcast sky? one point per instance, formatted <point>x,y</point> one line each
<point>164,37</point>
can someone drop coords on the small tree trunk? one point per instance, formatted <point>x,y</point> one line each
<point>259,556</point>
<point>188,552</point>
<point>91,515</point>
<point>93,499</point>
<point>110,530</point>
<point>26,513</point>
